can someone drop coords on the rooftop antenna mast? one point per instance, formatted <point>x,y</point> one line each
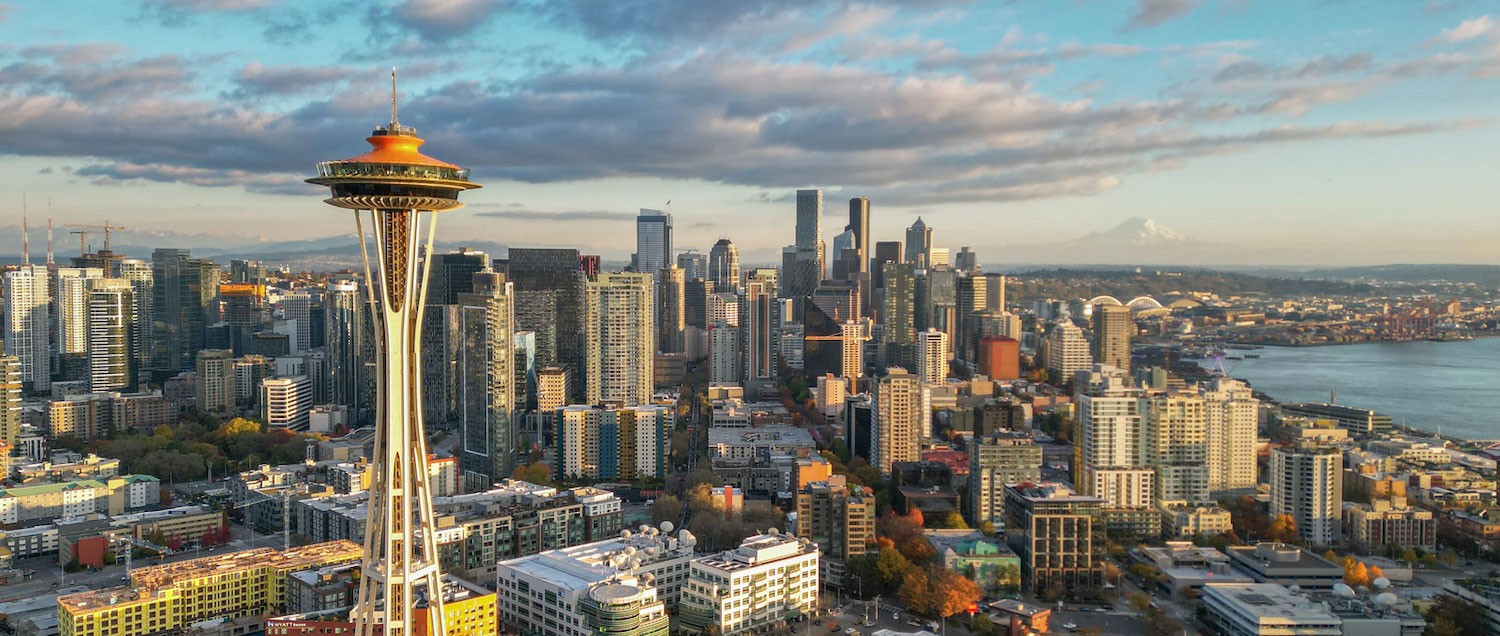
<point>393,97</point>
<point>25,234</point>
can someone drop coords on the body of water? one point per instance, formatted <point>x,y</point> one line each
<point>1452,386</point>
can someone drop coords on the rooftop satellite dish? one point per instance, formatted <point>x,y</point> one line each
<point>625,533</point>
<point>1343,591</point>
<point>1381,583</point>
<point>666,526</point>
<point>1385,600</point>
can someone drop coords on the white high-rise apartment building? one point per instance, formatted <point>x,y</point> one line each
<point>142,287</point>
<point>1176,446</point>
<point>1110,450</point>
<point>1230,420</point>
<point>770,578</point>
<point>286,402</point>
<point>724,354</point>
<point>932,356</point>
<point>111,331</point>
<point>899,420</point>
<point>73,308</point>
<point>1307,484</point>
<point>619,338</point>
<point>577,450</point>
<point>852,337</point>
<point>28,323</point>
<point>297,306</point>
<point>1067,351</point>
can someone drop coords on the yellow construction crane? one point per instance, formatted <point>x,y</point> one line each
<point>106,227</point>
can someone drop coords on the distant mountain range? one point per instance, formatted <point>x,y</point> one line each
<point>324,253</point>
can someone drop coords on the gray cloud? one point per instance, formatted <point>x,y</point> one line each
<point>256,79</point>
<point>87,74</point>
<point>1150,13</point>
<point>435,20</point>
<point>896,136</point>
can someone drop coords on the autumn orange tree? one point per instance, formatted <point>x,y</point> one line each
<point>916,591</point>
<point>952,593</point>
<point>1283,529</point>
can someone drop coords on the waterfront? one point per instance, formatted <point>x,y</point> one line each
<point>1449,386</point>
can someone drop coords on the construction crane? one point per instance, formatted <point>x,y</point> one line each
<point>106,227</point>
<point>82,234</point>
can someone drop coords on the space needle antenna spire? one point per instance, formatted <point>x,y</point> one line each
<point>393,96</point>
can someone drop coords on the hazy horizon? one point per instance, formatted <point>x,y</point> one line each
<point>1309,133</point>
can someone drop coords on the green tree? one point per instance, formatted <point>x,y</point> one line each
<point>950,521</point>
<point>1008,577</point>
<point>891,565</point>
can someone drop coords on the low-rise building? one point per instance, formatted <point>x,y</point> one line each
<point>619,585</point>
<point>170,597</point>
<point>1384,522</point>
<point>468,610</point>
<point>747,443</point>
<point>1285,564</point>
<point>1255,609</point>
<point>1183,521</point>
<point>111,495</point>
<point>769,580</point>
<point>1185,568</point>
<point>969,553</point>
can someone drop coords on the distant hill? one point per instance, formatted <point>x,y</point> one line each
<point>1486,275</point>
<point>1064,284</point>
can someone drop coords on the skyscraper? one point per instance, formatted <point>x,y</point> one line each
<point>1067,351</point>
<point>347,325</point>
<point>71,303</point>
<point>932,356</point>
<point>243,272</point>
<point>724,265</point>
<point>899,419</point>
<point>809,218</point>
<point>184,287</point>
<point>653,241</point>
<point>966,261</point>
<point>671,309</point>
<point>803,264</point>
<point>898,332</point>
<point>619,339</point>
<point>1113,328</point>
<point>971,296</point>
<point>486,381</point>
<point>549,303</point>
<point>28,323</point>
<point>1229,428</point>
<point>111,334</point>
<point>919,244</point>
<point>395,187</point>
<point>759,317</point>
<point>885,252</point>
<point>453,274</point>
<point>724,356</point>
<point>859,225</point>
<point>297,306</point>
<point>1110,454</point>
<point>693,265</point>
<point>142,287</point>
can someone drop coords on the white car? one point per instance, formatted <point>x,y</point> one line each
<point>1069,626</point>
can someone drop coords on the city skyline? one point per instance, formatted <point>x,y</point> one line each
<point>1007,124</point>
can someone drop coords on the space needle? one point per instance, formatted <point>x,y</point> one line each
<point>395,189</point>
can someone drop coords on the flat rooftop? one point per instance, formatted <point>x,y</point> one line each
<point>759,436</point>
<point>1270,601</point>
<point>151,580</point>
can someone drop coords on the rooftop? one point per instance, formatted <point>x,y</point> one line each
<point>152,580</point>
<point>580,566</point>
<point>1270,601</point>
<point>759,435</point>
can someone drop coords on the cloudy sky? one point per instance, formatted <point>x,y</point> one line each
<point>1361,126</point>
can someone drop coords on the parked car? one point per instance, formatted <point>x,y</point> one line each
<point>1069,626</point>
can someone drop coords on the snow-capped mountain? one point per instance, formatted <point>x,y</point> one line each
<point>1135,231</point>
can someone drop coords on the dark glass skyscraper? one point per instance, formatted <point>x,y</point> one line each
<point>453,274</point>
<point>549,302</point>
<point>185,288</point>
